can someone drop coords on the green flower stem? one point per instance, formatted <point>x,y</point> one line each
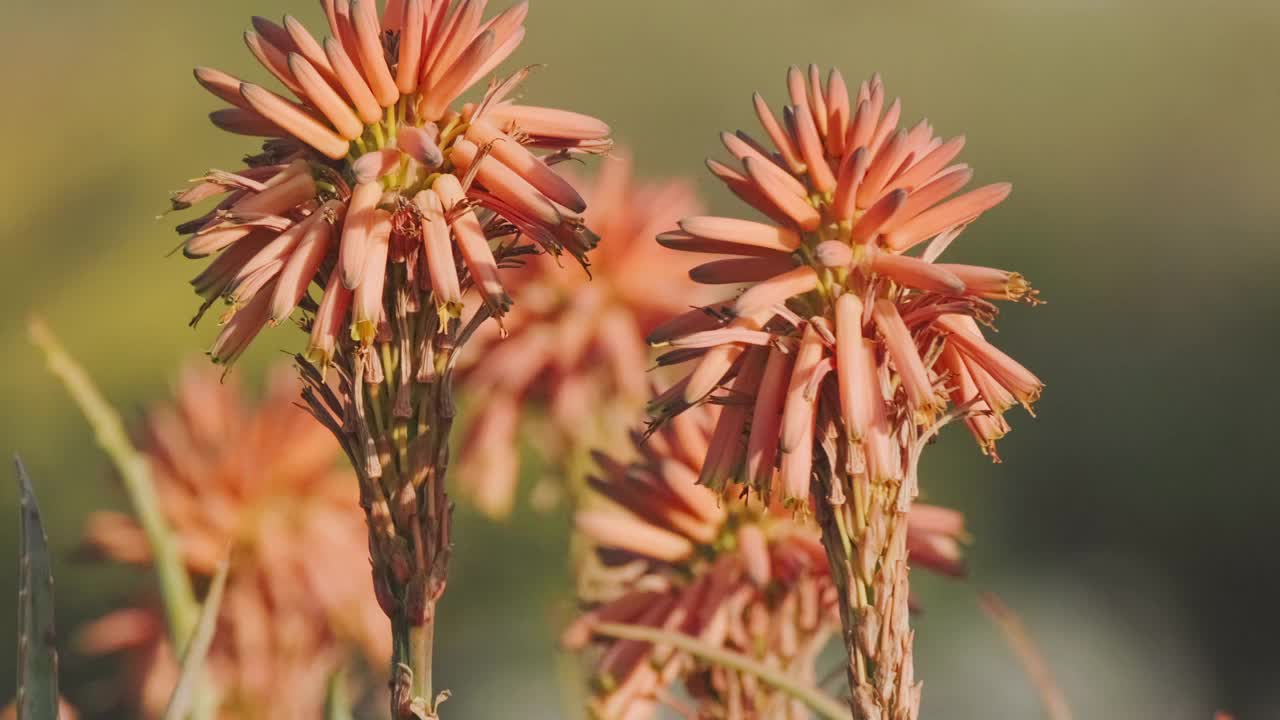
<point>180,606</point>
<point>814,698</point>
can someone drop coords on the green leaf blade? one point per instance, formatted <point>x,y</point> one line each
<point>37,639</point>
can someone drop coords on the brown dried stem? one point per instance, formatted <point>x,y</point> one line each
<point>864,531</point>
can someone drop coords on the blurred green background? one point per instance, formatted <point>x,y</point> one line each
<point>1132,524</point>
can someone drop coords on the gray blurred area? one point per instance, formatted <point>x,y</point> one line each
<point>1131,523</point>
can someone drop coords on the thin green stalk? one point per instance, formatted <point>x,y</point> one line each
<point>180,606</point>
<point>198,646</point>
<point>336,704</point>
<point>421,638</point>
<point>811,696</point>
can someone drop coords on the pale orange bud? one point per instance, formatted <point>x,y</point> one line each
<point>373,166</point>
<point>306,46</point>
<point>876,217</point>
<point>242,327</point>
<point>420,144</point>
<point>710,371</point>
<point>525,164</point>
<point>928,166</point>
<point>781,140</point>
<point>627,532</point>
<point>742,146</point>
<point>450,38</point>
<point>364,17</point>
<point>766,420</point>
<point>438,251</point>
<point>296,120</point>
<point>366,310</point>
<point>837,113</point>
<point>508,33</point>
<point>936,189</point>
<point>453,83</point>
<point>277,199</point>
<point>1015,378</point>
<point>852,170</point>
<point>833,254</point>
<point>882,166</point>
<point>742,232</point>
<point>352,83</point>
<point>811,149</point>
<point>796,207</point>
<point>355,244</point>
<point>886,126</point>
<point>548,122</point>
<point>225,87</point>
<point>915,273</point>
<point>776,290</point>
<point>321,94</point>
<point>958,210</point>
<point>300,269</point>
<point>273,59</point>
<point>409,67</point>
<point>906,358</point>
<point>754,550</point>
<point>799,413</point>
<point>473,244</point>
<point>505,183</point>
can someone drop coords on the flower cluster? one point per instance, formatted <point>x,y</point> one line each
<point>370,180</point>
<point>383,188</point>
<point>729,571</point>
<point>575,343</point>
<point>265,484</point>
<point>839,360</point>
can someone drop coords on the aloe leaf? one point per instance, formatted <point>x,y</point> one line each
<point>37,649</point>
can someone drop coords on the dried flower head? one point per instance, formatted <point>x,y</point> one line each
<point>264,483</point>
<point>727,571</point>
<point>840,358</point>
<point>576,342</point>
<point>371,180</point>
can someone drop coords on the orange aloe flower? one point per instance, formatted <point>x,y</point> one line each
<point>372,177</point>
<point>381,187</point>
<point>723,569</point>
<point>840,359</point>
<point>576,342</point>
<point>266,484</point>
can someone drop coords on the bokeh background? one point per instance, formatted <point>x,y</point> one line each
<point>1133,524</point>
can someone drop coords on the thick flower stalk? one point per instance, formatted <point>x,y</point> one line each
<point>394,200</point>
<point>839,361</point>
<point>575,342</point>
<point>264,482</point>
<point>725,569</point>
